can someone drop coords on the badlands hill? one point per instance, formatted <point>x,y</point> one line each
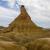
<point>23,24</point>
<point>22,31</point>
<point>23,27</point>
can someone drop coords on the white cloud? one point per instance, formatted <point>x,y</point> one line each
<point>7,16</point>
<point>11,3</point>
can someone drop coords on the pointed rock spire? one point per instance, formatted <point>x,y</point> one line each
<point>23,22</point>
<point>24,14</point>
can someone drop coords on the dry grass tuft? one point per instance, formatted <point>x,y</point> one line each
<point>40,44</point>
<point>5,45</point>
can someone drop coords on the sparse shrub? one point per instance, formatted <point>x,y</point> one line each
<point>5,45</point>
<point>40,44</point>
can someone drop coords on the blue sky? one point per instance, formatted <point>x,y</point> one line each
<point>39,11</point>
<point>8,11</point>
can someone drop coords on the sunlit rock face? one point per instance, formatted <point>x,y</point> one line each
<point>23,22</point>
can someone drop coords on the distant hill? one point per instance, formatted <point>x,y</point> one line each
<point>1,27</point>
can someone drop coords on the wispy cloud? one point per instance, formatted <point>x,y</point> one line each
<point>11,3</point>
<point>7,16</point>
